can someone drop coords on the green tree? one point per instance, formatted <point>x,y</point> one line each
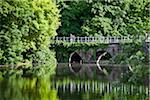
<point>104,17</point>
<point>137,17</point>
<point>118,17</point>
<point>74,14</point>
<point>26,26</point>
<point>136,58</point>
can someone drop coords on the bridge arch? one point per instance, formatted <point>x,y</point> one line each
<point>75,58</point>
<point>106,57</point>
<point>102,55</point>
<point>75,62</point>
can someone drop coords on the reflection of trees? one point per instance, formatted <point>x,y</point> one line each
<point>39,89</point>
<point>90,90</point>
<point>111,96</point>
<point>27,89</point>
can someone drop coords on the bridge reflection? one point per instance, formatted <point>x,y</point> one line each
<point>98,87</point>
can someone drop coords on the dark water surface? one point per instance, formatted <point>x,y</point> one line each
<point>66,86</point>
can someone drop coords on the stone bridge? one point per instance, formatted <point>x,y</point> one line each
<point>91,55</point>
<point>99,55</point>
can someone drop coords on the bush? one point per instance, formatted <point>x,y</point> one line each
<point>26,26</point>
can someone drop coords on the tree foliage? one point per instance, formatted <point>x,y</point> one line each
<point>74,14</point>
<point>26,26</point>
<point>27,89</point>
<point>136,56</point>
<point>102,17</point>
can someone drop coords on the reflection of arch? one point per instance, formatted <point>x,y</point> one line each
<point>106,57</point>
<point>102,55</point>
<point>75,62</point>
<point>98,60</point>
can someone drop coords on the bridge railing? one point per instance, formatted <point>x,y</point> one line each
<point>100,39</point>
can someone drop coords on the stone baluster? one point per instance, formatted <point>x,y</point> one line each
<point>93,39</point>
<point>82,39</point>
<point>78,39</point>
<point>88,39</point>
<point>64,39</point>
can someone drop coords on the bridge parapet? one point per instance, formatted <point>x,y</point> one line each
<point>100,39</point>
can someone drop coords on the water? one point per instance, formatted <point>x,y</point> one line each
<point>69,87</point>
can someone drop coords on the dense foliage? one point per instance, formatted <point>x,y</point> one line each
<point>102,17</point>
<point>26,26</point>
<point>136,56</point>
<point>74,14</point>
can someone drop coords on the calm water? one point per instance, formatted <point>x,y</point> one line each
<point>67,86</point>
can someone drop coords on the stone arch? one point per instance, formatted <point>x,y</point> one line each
<point>106,57</point>
<point>75,58</point>
<point>75,62</point>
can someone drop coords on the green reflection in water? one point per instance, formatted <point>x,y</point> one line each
<point>27,89</point>
<point>45,89</point>
<point>98,96</point>
<point>94,90</point>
